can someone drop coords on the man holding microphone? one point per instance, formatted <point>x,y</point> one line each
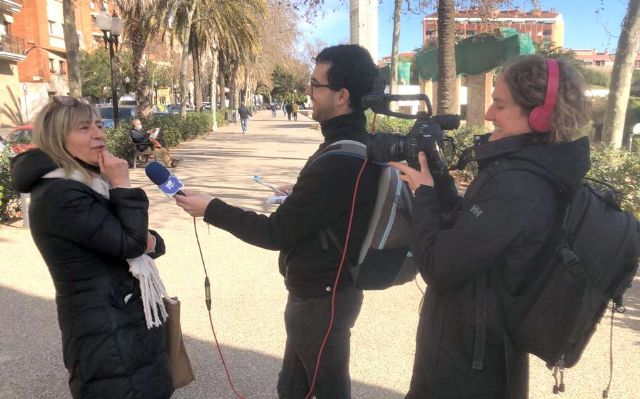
<point>320,199</point>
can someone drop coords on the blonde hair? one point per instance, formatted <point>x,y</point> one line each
<point>526,78</point>
<point>52,125</point>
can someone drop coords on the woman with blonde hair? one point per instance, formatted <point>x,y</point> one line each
<point>497,230</point>
<point>91,228</point>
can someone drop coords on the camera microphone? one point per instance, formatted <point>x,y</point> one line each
<point>168,183</point>
<point>447,121</point>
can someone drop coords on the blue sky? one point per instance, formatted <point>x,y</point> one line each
<point>587,24</point>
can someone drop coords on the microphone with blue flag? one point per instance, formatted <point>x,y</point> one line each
<point>168,183</point>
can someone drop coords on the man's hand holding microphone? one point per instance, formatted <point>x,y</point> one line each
<point>195,204</point>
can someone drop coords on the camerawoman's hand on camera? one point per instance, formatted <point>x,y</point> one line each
<point>415,178</point>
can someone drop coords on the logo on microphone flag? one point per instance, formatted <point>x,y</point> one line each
<point>171,186</point>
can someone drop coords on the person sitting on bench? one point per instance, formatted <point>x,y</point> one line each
<point>144,141</point>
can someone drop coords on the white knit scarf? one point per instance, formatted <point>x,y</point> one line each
<point>143,267</point>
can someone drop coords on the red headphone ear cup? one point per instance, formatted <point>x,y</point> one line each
<point>539,120</point>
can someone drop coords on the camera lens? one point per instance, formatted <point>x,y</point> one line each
<point>385,147</point>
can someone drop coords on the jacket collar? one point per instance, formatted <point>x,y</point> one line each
<point>350,126</point>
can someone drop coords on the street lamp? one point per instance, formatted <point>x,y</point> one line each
<point>126,83</point>
<point>26,103</point>
<point>111,27</point>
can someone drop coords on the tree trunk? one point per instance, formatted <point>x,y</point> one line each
<point>628,44</point>
<point>184,59</point>
<point>138,44</point>
<point>233,87</point>
<point>221,80</point>
<point>214,82</point>
<point>197,78</point>
<point>447,87</point>
<point>393,76</point>
<point>72,45</point>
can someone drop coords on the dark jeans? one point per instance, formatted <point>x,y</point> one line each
<point>306,322</point>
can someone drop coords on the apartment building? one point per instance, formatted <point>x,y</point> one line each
<point>541,25</point>
<point>604,59</point>
<point>11,53</point>
<point>36,31</point>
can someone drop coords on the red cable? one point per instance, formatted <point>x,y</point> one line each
<point>224,364</point>
<point>335,284</point>
<point>208,302</point>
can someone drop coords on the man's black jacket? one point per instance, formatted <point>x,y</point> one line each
<point>320,198</point>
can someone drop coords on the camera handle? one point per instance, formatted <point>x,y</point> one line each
<point>380,104</point>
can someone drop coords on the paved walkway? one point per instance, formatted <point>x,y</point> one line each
<point>249,295</point>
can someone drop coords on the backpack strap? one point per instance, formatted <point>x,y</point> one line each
<point>350,148</point>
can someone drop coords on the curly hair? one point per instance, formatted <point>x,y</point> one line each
<point>526,78</point>
<point>352,69</point>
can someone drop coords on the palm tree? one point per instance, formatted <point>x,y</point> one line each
<point>393,83</point>
<point>447,88</point>
<point>142,20</point>
<point>231,25</point>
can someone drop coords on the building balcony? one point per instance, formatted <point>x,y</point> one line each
<point>11,6</point>
<point>12,48</point>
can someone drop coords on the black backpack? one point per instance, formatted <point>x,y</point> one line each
<point>590,260</point>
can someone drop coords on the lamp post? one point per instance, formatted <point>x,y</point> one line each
<point>126,83</point>
<point>155,89</point>
<point>111,27</point>
<point>26,101</point>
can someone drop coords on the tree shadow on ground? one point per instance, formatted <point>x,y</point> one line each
<point>31,359</point>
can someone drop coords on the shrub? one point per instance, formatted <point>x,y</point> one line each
<point>119,142</point>
<point>170,129</point>
<point>387,124</point>
<point>8,196</point>
<point>621,169</point>
<point>597,77</point>
<point>196,124</point>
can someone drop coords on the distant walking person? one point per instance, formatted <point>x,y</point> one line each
<point>244,113</point>
<point>289,109</point>
<point>294,111</point>
<point>272,107</point>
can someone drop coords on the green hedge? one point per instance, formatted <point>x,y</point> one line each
<point>173,131</point>
<point>7,195</point>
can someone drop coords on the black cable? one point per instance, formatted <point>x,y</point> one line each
<point>605,392</point>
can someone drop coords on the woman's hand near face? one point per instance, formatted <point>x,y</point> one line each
<point>415,178</point>
<point>115,169</point>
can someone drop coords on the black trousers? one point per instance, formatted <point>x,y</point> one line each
<point>306,322</point>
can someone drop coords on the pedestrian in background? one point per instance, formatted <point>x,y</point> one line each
<point>244,114</point>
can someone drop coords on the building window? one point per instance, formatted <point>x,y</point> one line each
<point>546,32</point>
<point>63,68</point>
<point>52,28</point>
<point>52,65</point>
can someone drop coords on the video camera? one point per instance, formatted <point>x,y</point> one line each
<point>427,133</point>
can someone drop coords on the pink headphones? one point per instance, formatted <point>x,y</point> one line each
<point>540,116</point>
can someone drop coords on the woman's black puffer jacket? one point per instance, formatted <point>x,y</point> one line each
<point>85,240</point>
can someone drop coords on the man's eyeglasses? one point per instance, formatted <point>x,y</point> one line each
<point>314,85</point>
<point>70,101</point>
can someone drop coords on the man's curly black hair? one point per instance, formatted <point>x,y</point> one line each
<point>351,68</point>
